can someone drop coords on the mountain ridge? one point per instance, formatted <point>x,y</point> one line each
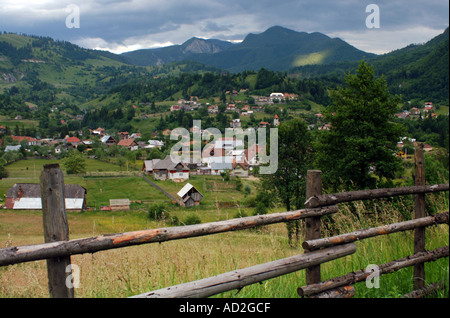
<point>277,48</point>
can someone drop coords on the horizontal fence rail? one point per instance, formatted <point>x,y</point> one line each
<point>332,199</point>
<point>361,275</point>
<point>250,275</point>
<point>21,254</point>
<point>376,231</point>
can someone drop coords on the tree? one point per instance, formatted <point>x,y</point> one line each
<point>74,163</point>
<point>358,150</point>
<point>294,159</point>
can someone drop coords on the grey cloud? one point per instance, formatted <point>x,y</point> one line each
<point>175,21</point>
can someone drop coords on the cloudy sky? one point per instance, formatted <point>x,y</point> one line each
<point>126,25</point>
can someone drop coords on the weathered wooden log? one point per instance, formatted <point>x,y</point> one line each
<point>340,292</point>
<point>14,255</point>
<point>56,228</point>
<point>312,225</point>
<point>240,278</point>
<point>331,199</point>
<point>371,232</point>
<point>425,291</point>
<point>362,275</point>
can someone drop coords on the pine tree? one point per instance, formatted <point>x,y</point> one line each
<point>358,150</point>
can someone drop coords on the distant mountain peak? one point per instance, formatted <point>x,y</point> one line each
<point>197,46</point>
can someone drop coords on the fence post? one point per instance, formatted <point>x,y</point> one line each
<point>55,228</point>
<point>419,212</point>
<point>312,224</point>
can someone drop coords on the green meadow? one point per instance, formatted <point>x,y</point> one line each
<point>134,270</point>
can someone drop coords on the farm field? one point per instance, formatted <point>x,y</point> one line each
<point>133,270</point>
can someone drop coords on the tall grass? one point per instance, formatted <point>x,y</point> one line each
<point>134,270</point>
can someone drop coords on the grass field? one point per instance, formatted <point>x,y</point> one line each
<point>134,270</point>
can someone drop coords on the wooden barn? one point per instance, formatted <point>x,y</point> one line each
<point>27,196</point>
<point>190,196</point>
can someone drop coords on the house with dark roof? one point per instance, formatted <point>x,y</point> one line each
<point>148,165</point>
<point>167,169</point>
<point>27,196</point>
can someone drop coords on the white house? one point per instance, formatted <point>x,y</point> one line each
<point>276,96</point>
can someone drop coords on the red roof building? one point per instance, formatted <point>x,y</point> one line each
<point>73,140</point>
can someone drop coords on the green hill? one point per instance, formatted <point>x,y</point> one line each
<point>418,71</point>
<point>42,70</point>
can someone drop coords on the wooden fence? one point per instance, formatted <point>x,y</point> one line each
<point>57,248</point>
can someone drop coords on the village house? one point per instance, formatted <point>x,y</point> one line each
<point>239,169</point>
<point>30,140</point>
<point>136,135</point>
<point>263,99</point>
<point>72,141</point>
<point>213,109</point>
<point>231,107</point>
<point>27,196</point>
<point>130,144</point>
<point>99,131</point>
<point>428,107</point>
<point>235,123</point>
<point>290,97</point>
<point>276,97</point>
<point>155,144</point>
<point>253,154</point>
<point>148,165</point>
<point>108,140</point>
<point>414,111</point>
<point>190,196</point>
<point>166,169</point>
<point>175,108</point>
<point>123,135</point>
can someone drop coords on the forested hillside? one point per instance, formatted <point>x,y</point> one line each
<point>418,71</point>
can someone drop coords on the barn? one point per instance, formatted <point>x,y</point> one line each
<point>190,196</point>
<point>27,196</point>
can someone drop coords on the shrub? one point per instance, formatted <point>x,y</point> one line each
<point>247,190</point>
<point>192,219</point>
<point>158,211</point>
<point>260,209</point>
<point>238,183</point>
<point>239,214</point>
